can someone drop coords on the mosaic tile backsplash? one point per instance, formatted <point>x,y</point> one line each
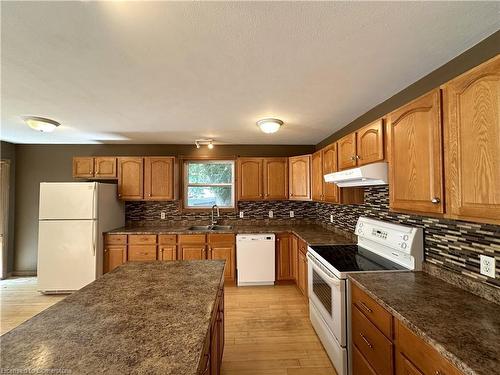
<point>454,245</point>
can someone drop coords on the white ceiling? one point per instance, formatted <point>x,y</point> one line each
<point>165,72</point>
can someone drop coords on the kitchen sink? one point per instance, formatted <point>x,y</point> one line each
<point>210,227</point>
<point>200,227</point>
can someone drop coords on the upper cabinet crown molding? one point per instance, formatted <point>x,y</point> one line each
<point>472,143</point>
<point>415,162</point>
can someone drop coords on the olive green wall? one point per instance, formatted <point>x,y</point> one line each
<point>8,152</point>
<point>49,163</point>
<point>474,56</point>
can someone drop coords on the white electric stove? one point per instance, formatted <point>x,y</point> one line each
<point>381,247</point>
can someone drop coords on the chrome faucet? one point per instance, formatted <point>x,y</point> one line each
<point>214,221</point>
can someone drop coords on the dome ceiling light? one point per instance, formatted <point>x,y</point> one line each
<point>41,124</point>
<point>269,125</point>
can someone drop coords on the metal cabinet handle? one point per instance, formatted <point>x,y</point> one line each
<point>353,158</point>
<point>363,305</point>
<point>438,372</point>
<point>357,157</point>
<point>366,341</point>
<point>435,200</point>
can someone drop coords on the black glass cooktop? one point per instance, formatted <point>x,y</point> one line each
<point>350,258</point>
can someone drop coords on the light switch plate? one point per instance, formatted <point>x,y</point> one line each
<point>163,215</point>
<point>271,215</point>
<point>331,218</point>
<point>292,214</point>
<point>242,214</point>
<point>487,265</point>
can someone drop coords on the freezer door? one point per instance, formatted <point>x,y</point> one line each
<point>66,255</point>
<point>68,200</point>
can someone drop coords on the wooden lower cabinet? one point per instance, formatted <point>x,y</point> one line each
<point>211,359</point>
<point>141,252</point>
<point>167,252</point>
<point>283,257</point>
<point>192,247</point>
<point>381,344</point>
<point>114,255</point>
<point>294,248</point>
<point>302,272</point>
<point>222,247</point>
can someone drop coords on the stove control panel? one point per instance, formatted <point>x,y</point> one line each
<point>395,240</point>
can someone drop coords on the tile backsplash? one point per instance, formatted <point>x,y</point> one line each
<point>450,244</point>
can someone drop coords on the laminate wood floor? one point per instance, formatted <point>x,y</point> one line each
<point>268,331</point>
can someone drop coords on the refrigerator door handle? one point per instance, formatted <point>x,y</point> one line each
<point>93,237</point>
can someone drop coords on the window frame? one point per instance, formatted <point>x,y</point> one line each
<point>186,184</point>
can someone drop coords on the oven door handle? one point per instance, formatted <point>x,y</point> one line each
<point>319,268</point>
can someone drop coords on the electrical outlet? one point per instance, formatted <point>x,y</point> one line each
<point>292,214</point>
<point>487,265</point>
<point>163,215</point>
<point>331,218</point>
<point>242,214</point>
<point>271,215</point>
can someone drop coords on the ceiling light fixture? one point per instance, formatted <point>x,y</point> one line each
<point>269,125</point>
<point>202,142</point>
<point>41,124</point>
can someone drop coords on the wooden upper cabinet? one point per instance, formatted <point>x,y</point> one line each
<point>83,167</point>
<point>347,151</point>
<point>250,179</point>
<point>331,192</point>
<point>159,178</point>
<point>370,143</point>
<point>415,162</point>
<point>130,178</point>
<point>299,168</point>
<point>275,178</point>
<point>472,143</point>
<point>317,176</point>
<point>105,167</point>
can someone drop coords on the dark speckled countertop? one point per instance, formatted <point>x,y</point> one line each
<point>311,233</point>
<point>142,318</point>
<point>463,327</point>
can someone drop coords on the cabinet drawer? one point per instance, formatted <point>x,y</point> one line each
<point>372,310</point>
<point>413,350</point>
<point>371,343</point>
<point>115,239</point>
<point>359,364</point>
<point>167,239</point>
<point>142,239</point>
<point>225,238</point>
<point>141,252</point>
<point>192,238</point>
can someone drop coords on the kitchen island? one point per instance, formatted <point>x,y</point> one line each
<point>144,317</point>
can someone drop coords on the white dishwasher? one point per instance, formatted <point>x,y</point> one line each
<point>255,255</point>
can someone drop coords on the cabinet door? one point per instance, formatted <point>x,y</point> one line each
<point>105,167</point>
<point>224,252</point>
<point>300,177</point>
<point>317,176</point>
<point>130,178</point>
<point>167,252</point>
<point>83,167</point>
<point>370,143</point>
<point>284,257</point>
<point>275,178</point>
<point>113,257</point>
<point>302,273</point>
<point>294,244</point>
<point>250,179</point>
<point>359,364</point>
<point>192,252</point>
<point>214,349</point>
<point>415,163</point>
<point>141,252</point>
<point>347,151</point>
<point>472,144</point>
<point>331,192</point>
<point>159,178</point>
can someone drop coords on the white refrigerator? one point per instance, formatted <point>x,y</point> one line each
<point>72,219</point>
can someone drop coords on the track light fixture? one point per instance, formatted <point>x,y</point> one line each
<point>202,142</point>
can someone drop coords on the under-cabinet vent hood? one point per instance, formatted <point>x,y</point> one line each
<point>366,175</point>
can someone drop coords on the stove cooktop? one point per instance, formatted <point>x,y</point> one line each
<point>352,258</point>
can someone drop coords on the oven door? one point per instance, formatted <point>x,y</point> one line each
<point>327,293</point>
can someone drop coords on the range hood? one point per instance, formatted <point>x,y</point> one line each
<point>366,175</point>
